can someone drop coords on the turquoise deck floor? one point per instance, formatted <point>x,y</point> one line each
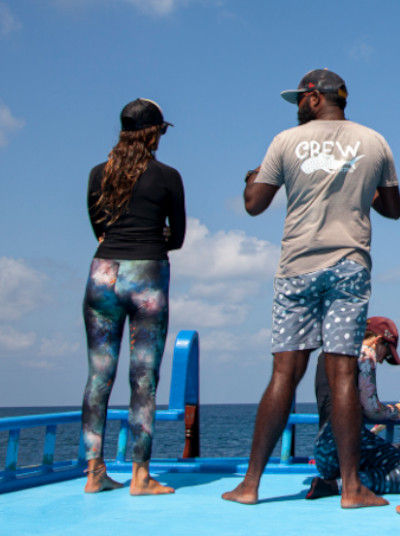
<point>195,509</point>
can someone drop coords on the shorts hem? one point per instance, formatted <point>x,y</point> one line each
<point>343,351</point>
<point>296,346</point>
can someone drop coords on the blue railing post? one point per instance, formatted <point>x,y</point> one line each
<point>81,451</point>
<point>49,446</point>
<point>287,447</point>
<point>12,453</point>
<point>185,371</point>
<point>184,390</point>
<point>122,441</point>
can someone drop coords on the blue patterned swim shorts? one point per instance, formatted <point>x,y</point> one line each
<point>325,308</point>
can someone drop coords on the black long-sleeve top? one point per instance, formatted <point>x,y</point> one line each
<point>158,195</point>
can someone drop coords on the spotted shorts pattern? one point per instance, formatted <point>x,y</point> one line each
<point>324,308</point>
<point>116,290</point>
<point>379,460</point>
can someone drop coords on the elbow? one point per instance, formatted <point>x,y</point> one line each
<point>175,244</point>
<point>252,205</point>
<point>251,209</point>
<point>393,214</point>
<point>396,215</point>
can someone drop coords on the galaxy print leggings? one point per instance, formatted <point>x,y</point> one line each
<point>117,289</point>
<point>379,460</point>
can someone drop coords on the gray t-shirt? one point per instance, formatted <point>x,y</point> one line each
<point>330,170</point>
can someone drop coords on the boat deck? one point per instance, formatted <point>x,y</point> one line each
<point>196,509</point>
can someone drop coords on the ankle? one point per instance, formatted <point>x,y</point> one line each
<point>251,481</point>
<point>95,466</point>
<point>140,471</point>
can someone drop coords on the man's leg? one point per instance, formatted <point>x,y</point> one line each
<point>272,415</point>
<point>346,425</point>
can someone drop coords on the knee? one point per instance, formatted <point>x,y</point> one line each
<point>143,379</point>
<point>290,367</point>
<point>341,370</point>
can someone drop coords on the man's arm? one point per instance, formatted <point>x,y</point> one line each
<point>387,202</point>
<point>257,195</point>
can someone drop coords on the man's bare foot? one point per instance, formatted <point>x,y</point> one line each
<point>149,486</point>
<point>361,497</point>
<point>98,480</point>
<point>322,488</point>
<point>244,493</point>
<point>143,484</point>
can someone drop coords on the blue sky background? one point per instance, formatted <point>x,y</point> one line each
<point>216,67</point>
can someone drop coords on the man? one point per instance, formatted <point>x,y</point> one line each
<point>333,170</point>
<point>379,467</point>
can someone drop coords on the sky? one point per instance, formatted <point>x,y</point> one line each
<point>216,67</point>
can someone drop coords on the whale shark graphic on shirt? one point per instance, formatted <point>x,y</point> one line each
<point>329,164</point>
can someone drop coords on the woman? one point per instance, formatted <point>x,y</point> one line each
<point>129,199</point>
<point>379,460</point>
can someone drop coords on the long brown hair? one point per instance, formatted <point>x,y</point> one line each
<point>126,162</point>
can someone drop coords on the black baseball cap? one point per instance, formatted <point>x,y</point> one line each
<point>321,80</point>
<point>143,113</point>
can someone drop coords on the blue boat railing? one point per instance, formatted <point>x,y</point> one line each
<point>287,450</point>
<point>183,405</point>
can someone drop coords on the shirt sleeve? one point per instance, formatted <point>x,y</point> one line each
<point>388,175</point>
<point>271,171</point>
<point>93,195</point>
<point>370,403</point>
<point>176,212</point>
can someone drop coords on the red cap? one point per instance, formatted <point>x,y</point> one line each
<point>385,327</point>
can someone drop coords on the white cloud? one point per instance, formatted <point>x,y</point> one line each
<point>38,364</point>
<point>225,271</point>
<point>361,51</point>
<point>57,346</point>
<point>187,312</point>
<point>13,340</point>
<point>236,205</point>
<point>390,276</point>
<point>157,7</point>
<point>231,293</point>
<point>21,288</point>
<point>8,23</point>
<point>8,124</point>
<point>236,343</point>
<point>224,255</point>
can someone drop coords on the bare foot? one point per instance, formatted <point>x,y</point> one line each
<point>361,497</point>
<point>149,486</point>
<point>243,493</point>
<point>143,484</point>
<point>322,488</point>
<point>98,480</point>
